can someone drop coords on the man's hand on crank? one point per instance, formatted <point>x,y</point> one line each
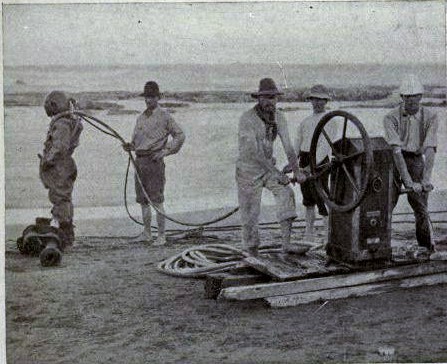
<point>300,176</point>
<point>283,179</point>
<point>287,169</point>
<point>417,187</point>
<point>427,186</point>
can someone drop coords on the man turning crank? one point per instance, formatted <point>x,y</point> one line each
<point>411,130</point>
<point>255,169</point>
<point>150,143</point>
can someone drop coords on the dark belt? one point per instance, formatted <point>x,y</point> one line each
<point>145,153</point>
<point>411,154</point>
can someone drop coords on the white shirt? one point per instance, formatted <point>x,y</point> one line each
<point>306,131</point>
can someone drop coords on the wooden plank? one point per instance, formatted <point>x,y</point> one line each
<point>274,267</point>
<point>356,291</point>
<point>284,267</point>
<point>214,283</point>
<point>337,281</point>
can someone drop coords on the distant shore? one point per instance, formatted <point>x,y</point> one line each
<point>373,96</point>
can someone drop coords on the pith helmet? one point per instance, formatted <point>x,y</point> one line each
<point>267,87</point>
<point>151,89</point>
<point>318,92</point>
<point>411,86</point>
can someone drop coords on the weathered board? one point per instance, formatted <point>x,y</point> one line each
<point>291,266</point>
<point>214,283</point>
<point>332,282</point>
<point>356,291</point>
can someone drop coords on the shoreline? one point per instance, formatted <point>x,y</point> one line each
<point>435,95</point>
<point>113,221</point>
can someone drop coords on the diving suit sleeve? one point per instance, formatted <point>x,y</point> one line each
<point>60,142</point>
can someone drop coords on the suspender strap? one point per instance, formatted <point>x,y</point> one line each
<point>421,128</point>
<point>421,131</point>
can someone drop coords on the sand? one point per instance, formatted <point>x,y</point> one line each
<point>107,303</point>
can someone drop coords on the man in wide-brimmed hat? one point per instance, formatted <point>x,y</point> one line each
<point>255,169</point>
<point>412,132</point>
<point>318,96</point>
<point>150,143</point>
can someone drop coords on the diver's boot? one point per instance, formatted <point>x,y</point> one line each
<point>67,229</point>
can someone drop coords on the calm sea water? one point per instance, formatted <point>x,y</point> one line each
<point>210,77</point>
<point>201,176</point>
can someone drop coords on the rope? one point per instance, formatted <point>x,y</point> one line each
<point>198,262</point>
<point>113,133</point>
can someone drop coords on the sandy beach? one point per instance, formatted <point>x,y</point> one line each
<point>108,303</point>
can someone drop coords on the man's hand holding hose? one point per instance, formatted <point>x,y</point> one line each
<point>128,147</point>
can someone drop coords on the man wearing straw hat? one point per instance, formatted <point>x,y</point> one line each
<point>150,143</point>
<point>255,168</point>
<point>411,130</point>
<point>318,96</point>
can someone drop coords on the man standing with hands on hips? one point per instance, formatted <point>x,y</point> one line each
<point>151,145</point>
<point>411,130</point>
<point>255,168</point>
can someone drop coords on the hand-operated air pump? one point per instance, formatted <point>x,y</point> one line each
<point>358,193</point>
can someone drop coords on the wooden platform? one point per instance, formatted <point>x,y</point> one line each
<point>288,280</point>
<point>283,267</point>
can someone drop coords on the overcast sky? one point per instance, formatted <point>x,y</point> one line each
<point>296,32</point>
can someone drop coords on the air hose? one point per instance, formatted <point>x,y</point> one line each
<point>198,227</point>
<point>199,261</point>
<point>113,133</point>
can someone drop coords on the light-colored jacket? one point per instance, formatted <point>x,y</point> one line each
<point>254,144</point>
<point>151,133</point>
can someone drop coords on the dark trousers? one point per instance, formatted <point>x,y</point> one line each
<point>152,174</point>
<point>418,202</point>
<point>308,189</point>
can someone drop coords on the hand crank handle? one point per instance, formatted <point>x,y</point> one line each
<point>407,190</point>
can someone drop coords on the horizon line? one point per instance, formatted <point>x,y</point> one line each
<point>221,64</point>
